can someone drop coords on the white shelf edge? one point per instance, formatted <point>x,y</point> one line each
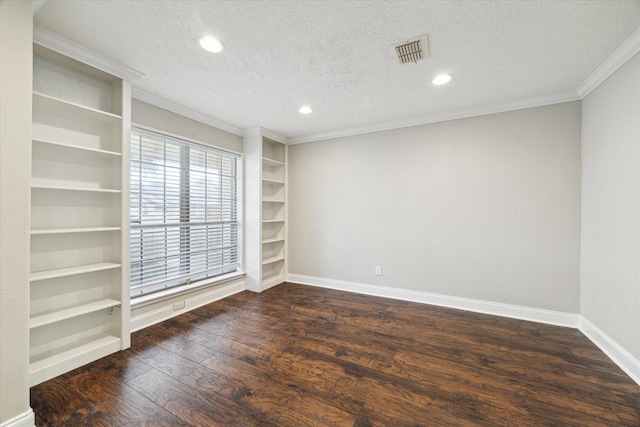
<point>63,188</point>
<point>271,200</point>
<point>73,230</point>
<point>78,147</point>
<point>43,99</point>
<point>272,181</point>
<point>273,259</point>
<point>72,271</point>
<point>277,239</point>
<point>271,221</point>
<point>72,357</point>
<point>273,162</point>
<point>71,312</point>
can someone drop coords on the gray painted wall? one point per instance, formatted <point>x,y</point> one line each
<point>162,120</point>
<point>16,36</point>
<point>485,208</point>
<point>610,260</point>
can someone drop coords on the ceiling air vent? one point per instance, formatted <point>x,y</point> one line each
<point>413,50</point>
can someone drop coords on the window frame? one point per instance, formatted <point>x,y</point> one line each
<point>160,289</point>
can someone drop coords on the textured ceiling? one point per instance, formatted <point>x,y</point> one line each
<point>339,57</point>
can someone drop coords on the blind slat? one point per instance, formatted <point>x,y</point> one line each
<point>184,212</point>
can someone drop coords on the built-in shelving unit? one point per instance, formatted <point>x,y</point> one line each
<point>79,298</point>
<point>266,176</point>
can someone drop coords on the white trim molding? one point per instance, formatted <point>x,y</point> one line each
<point>174,107</point>
<point>621,357</point>
<point>168,311</point>
<point>617,59</point>
<point>26,419</point>
<point>68,48</point>
<point>487,307</point>
<point>463,113</point>
<point>260,131</point>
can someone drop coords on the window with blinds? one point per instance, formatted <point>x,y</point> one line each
<point>184,212</point>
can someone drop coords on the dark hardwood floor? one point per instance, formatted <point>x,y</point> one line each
<point>303,356</point>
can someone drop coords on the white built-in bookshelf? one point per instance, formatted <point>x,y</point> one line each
<point>266,175</point>
<point>79,297</point>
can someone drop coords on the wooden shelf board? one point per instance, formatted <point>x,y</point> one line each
<point>276,239</point>
<point>58,361</point>
<point>272,181</point>
<point>60,105</point>
<point>70,312</point>
<point>271,161</point>
<point>272,260</point>
<point>65,188</point>
<point>73,230</point>
<point>72,271</point>
<point>78,147</point>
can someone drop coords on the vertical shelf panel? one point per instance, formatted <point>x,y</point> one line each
<point>274,199</point>
<point>265,218</point>
<point>79,205</point>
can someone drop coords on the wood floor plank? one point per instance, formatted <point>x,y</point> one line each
<point>187,404</point>
<point>167,337</point>
<point>53,402</point>
<point>302,356</point>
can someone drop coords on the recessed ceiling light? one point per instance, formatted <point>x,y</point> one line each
<point>441,79</point>
<point>211,44</point>
<point>305,110</point>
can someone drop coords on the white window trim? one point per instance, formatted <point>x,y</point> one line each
<point>155,297</point>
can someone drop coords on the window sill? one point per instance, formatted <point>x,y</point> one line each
<point>156,297</point>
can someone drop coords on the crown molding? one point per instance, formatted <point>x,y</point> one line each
<point>622,54</point>
<point>274,136</point>
<point>259,132</point>
<point>73,50</point>
<point>174,107</point>
<point>436,118</point>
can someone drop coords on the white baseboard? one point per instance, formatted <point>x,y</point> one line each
<point>621,357</point>
<point>498,309</point>
<point>26,419</point>
<point>268,284</point>
<point>167,311</point>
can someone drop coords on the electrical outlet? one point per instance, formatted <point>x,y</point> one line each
<point>178,306</point>
<point>378,270</point>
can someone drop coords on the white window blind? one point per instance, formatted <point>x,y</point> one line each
<point>184,212</point>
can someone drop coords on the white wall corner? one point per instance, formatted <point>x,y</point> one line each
<point>255,132</point>
<point>629,364</point>
<point>26,419</point>
<point>497,309</point>
<point>259,132</point>
<point>617,59</point>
